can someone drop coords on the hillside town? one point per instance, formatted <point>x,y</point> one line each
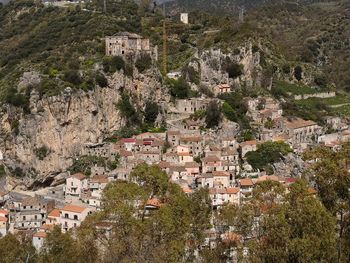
<point>192,157</point>
<point>202,126</point>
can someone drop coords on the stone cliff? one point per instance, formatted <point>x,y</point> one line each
<point>63,124</point>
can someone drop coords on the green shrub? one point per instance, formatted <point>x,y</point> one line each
<point>143,63</point>
<point>179,88</point>
<point>42,152</point>
<point>267,153</point>
<point>229,112</point>
<point>298,73</point>
<point>2,171</point>
<point>101,80</point>
<point>213,114</point>
<point>128,111</point>
<point>151,112</point>
<point>73,77</point>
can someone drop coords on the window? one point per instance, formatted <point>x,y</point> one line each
<point>75,217</point>
<point>24,217</point>
<point>35,217</point>
<point>65,215</point>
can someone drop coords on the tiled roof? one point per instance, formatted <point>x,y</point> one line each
<point>40,234</point>
<point>73,208</point>
<point>54,213</point>
<point>246,182</point>
<point>79,176</point>
<point>248,143</point>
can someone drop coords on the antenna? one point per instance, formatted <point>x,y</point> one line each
<point>165,61</point>
<point>241,14</point>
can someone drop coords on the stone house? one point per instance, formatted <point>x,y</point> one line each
<point>221,179</point>
<point>174,137</point>
<point>196,144</point>
<point>246,185</point>
<point>211,163</point>
<point>190,106</point>
<point>248,146</point>
<point>129,44</point>
<point>39,239</point>
<point>222,88</point>
<point>299,130</point>
<point>191,125</point>
<point>221,196</point>
<point>4,222</point>
<point>178,172</point>
<point>150,157</point>
<point>76,184</point>
<point>53,218</point>
<point>98,182</point>
<point>71,216</point>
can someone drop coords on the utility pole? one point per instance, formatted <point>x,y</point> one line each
<point>165,39</point>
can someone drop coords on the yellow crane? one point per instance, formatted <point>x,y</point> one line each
<point>165,39</point>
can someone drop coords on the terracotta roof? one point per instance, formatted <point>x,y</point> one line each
<point>174,133</point>
<point>164,164</point>
<point>74,208</point>
<point>192,139</point>
<point>191,165</point>
<point>79,176</point>
<point>129,140</point>
<point>311,191</point>
<point>125,153</point>
<point>211,159</point>
<point>268,177</point>
<point>154,202</point>
<point>233,190</point>
<point>246,182</point>
<point>54,213</point>
<point>4,212</point>
<point>183,154</point>
<point>248,143</point>
<point>299,123</point>
<point>220,173</point>
<point>100,179</point>
<point>187,190</point>
<point>40,234</point>
<point>3,219</point>
<point>47,227</point>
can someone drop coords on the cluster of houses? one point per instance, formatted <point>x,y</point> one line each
<point>191,157</point>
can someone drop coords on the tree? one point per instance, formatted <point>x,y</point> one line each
<point>73,77</point>
<point>179,89</point>
<point>143,63</point>
<point>151,112</point>
<point>101,80</point>
<point>298,73</point>
<point>16,249</point>
<point>332,177</point>
<point>127,110</point>
<point>59,248</point>
<point>234,70</point>
<point>229,112</point>
<point>213,114</point>
<point>267,153</point>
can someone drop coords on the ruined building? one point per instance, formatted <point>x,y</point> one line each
<point>129,44</point>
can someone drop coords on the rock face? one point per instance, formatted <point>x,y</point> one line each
<point>211,66</point>
<point>64,123</point>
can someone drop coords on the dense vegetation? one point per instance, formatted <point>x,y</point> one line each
<point>267,154</point>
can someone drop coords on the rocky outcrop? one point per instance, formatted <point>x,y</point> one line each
<point>63,124</point>
<point>211,66</point>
